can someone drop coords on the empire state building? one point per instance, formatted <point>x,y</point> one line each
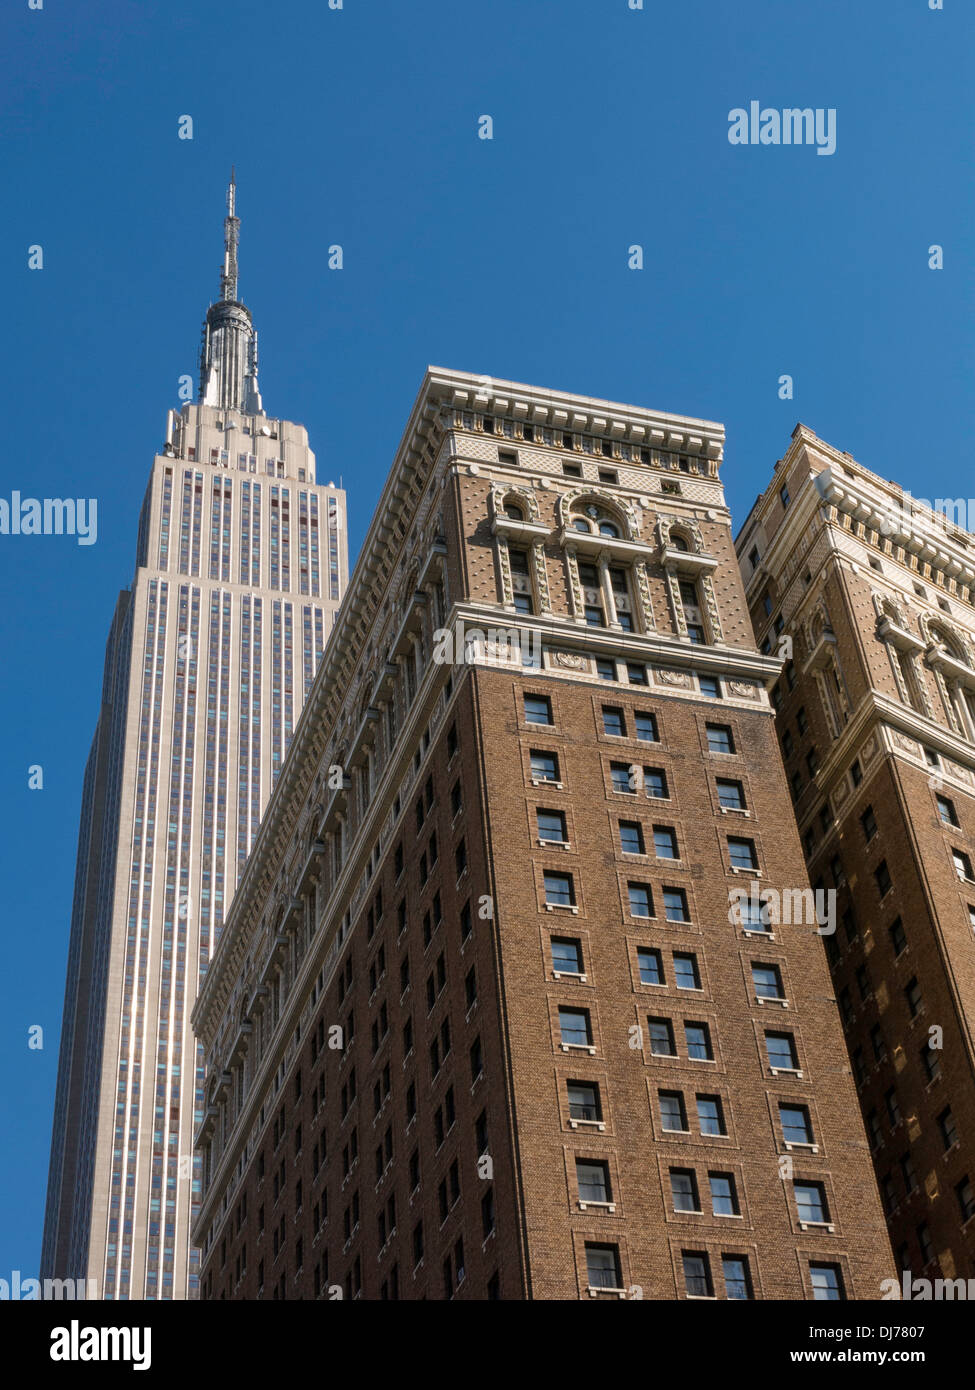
<point>241,565</point>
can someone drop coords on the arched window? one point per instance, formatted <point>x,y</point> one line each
<point>677,542</point>
<point>609,528</point>
<point>519,552</point>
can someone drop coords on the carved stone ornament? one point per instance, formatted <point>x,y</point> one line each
<point>666,675</point>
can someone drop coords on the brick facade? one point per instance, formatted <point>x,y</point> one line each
<point>875,718</point>
<point>577,1073</point>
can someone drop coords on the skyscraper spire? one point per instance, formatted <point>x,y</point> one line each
<point>231,240</point>
<point>228,354</point>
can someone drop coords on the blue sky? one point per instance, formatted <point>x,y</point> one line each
<point>506,257</point>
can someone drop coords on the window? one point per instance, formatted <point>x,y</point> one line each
<point>724,1198</point>
<point>898,940</point>
<point>675,905</point>
<point>731,795</point>
<point>603,1266</point>
<point>811,1202</point>
<point>710,1115</point>
<point>551,826</point>
<point>636,673</point>
<point>665,842</point>
<point>737,1278</point>
<point>874,1130</point>
<point>592,1179</point>
<point>698,1038</point>
<point>697,1274</point>
<point>691,605</point>
<point>575,1027</point>
<point>915,1000</point>
<point>908,1172</point>
<point>641,899</point>
<point>686,975</point>
<point>631,837</point>
<point>655,782</point>
<point>544,766</point>
<point>583,1101</point>
<point>613,721</point>
<point>784,495</point>
<point>924,1241</point>
<point>755,917</point>
<point>566,955</point>
<point>646,726</point>
<point>742,854</point>
<point>802,720</point>
<point>796,1124</point>
<point>966,1199</point>
<point>710,687</point>
<point>767,980</point>
<point>780,1048</point>
<point>720,738</point>
<point>606,670</point>
<point>893,1107</point>
<point>827,1283</point>
<point>521,575</point>
<point>559,890</point>
<point>673,1117</point>
<point>947,1128</point>
<point>683,1190</point>
<point>963,865</point>
<point>753,557</point>
<point>788,744</point>
<point>878,1043</point>
<point>946,810</point>
<point>620,589</point>
<point>661,1032</point>
<point>869,823</point>
<point>651,966</point>
<point>538,709</point>
<point>846,1004</point>
<point>931,1062</point>
<point>882,876</point>
<point>622,779</point>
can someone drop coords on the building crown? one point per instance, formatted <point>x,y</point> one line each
<point>228,352</point>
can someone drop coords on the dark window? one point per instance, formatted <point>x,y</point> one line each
<point>538,709</point>
<point>720,739</point>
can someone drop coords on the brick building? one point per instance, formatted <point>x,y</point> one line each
<point>482,1023</point>
<point>876,718</point>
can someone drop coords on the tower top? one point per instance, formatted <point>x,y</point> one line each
<point>231,240</point>
<point>228,353</point>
